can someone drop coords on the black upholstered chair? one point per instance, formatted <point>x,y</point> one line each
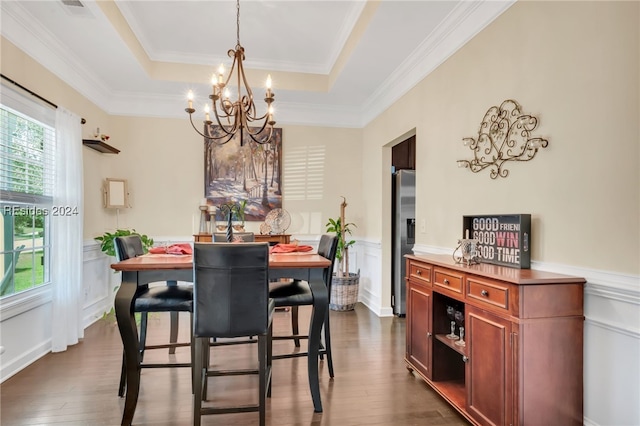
<point>245,237</point>
<point>164,298</point>
<point>231,299</point>
<point>295,293</point>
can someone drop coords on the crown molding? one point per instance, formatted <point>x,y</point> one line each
<point>465,21</point>
<point>18,26</point>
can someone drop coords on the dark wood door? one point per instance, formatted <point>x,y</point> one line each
<point>419,328</point>
<point>489,367</point>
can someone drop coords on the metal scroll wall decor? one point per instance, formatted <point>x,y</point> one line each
<point>504,135</point>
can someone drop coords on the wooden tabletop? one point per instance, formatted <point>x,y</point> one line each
<point>171,261</point>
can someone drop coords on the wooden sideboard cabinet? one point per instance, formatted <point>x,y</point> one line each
<point>272,239</point>
<point>522,360</point>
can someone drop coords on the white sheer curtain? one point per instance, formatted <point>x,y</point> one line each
<point>66,234</point>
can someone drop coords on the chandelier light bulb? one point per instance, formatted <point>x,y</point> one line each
<point>221,75</point>
<point>206,112</point>
<point>227,94</point>
<point>269,81</point>
<point>190,98</point>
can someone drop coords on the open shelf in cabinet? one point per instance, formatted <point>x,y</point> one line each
<point>462,350</point>
<point>452,390</point>
<point>449,367</point>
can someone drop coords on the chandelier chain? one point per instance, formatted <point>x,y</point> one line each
<point>238,22</point>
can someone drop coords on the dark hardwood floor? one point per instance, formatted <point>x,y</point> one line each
<point>371,384</point>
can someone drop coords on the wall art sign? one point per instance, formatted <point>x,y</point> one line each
<point>502,239</point>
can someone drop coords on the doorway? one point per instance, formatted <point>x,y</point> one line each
<point>403,217</point>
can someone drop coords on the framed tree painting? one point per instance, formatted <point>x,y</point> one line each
<point>250,172</point>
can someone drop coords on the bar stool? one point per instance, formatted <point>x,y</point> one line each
<point>167,298</point>
<point>231,299</point>
<point>295,293</point>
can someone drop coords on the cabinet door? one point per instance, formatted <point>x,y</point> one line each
<point>489,367</point>
<point>419,328</point>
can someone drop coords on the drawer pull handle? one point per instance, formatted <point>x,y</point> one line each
<point>446,281</point>
<point>465,358</point>
<point>485,293</point>
<point>418,272</point>
<point>428,334</point>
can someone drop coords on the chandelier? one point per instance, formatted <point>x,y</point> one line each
<point>234,117</point>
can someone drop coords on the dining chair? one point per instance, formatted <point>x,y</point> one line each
<point>245,237</point>
<point>163,298</point>
<point>295,293</point>
<point>231,299</point>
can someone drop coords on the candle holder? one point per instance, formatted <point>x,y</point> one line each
<point>228,209</point>
<point>467,251</point>
<point>203,220</point>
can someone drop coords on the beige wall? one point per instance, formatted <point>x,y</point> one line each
<point>162,159</point>
<point>574,65</point>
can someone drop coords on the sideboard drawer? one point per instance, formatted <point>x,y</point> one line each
<point>447,280</point>
<point>420,272</point>
<point>489,293</point>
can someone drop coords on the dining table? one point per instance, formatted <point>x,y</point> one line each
<point>149,268</point>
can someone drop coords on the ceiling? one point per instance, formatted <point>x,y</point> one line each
<point>333,63</point>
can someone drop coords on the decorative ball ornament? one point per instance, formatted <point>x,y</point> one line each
<point>278,221</point>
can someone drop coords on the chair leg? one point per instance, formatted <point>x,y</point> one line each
<point>143,333</point>
<point>192,347</point>
<point>206,356</point>
<point>173,331</point>
<point>269,357</point>
<point>198,379</point>
<point>262,372</point>
<point>327,343</point>
<point>294,325</point>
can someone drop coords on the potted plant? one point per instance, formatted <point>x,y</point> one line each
<point>108,247</point>
<point>344,284</point>
<point>107,240</point>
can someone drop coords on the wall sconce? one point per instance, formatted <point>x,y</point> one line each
<point>504,135</point>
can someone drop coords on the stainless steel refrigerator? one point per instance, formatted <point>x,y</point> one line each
<point>402,234</point>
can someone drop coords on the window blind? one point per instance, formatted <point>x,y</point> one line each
<point>27,145</point>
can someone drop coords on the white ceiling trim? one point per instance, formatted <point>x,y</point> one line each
<point>465,21</point>
<point>221,57</point>
<point>18,26</point>
<point>172,106</point>
<point>341,40</point>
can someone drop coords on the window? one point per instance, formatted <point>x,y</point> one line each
<point>27,146</point>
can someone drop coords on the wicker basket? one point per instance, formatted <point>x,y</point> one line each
<point>344,292</point>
